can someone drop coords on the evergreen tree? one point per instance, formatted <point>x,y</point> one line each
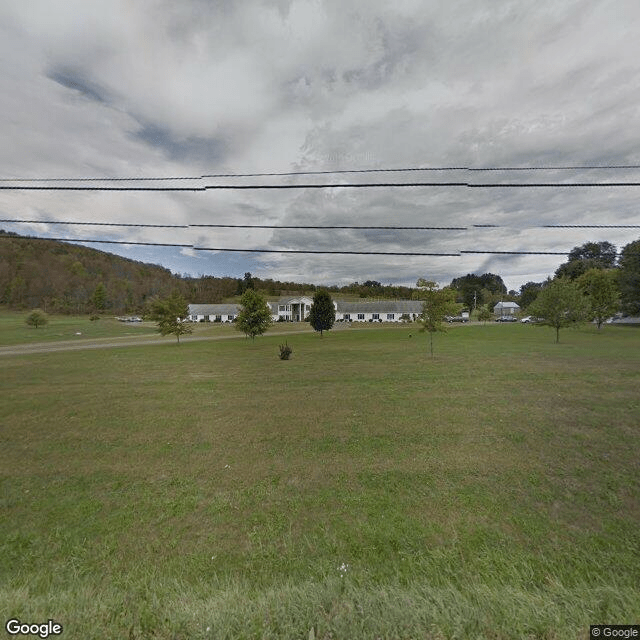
<point>322,314</point>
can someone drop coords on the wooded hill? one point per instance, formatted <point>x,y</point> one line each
<point>61,277</point>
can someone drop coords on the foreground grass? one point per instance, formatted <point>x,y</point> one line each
<point>360,489</point>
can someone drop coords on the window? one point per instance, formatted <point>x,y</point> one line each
<point>230,318</point>
<point>281,307</point>
<point>346,316</point>
<point>218,318</point>
<point>361,316</point>
<point>391,316</point>
<point>376,316</point>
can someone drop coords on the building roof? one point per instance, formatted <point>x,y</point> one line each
<point>506,305</point>
<point>379,306</point>
<point>213,309</point>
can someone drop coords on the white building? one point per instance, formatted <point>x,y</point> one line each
<point>297,310</point>
<point>506,309</point>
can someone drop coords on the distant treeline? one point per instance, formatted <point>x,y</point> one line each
<point>61,277</point>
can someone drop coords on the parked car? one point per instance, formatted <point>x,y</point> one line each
<point>507,319</point>
<point>529,319</point>
<point>456,319</point>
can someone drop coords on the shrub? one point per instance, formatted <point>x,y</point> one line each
<point>285,351</point>
<point>37,318</point>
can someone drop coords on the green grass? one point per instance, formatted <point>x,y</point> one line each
<point>14,330</point>
<point>211,490</point>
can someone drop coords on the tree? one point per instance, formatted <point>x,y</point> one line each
<point>99,297</point>
<point>255,316</point>
<point>245,284</point>
<point>322,314</point>
<point>528,293</point>
<point>437,304</point>
<point>169,313</point>
<point>560,304</point>
<point>484,314</point>
<point>629,278</point>
<point>601,289</point>
<point>591,255</point>
<point>475,290</point>
<point>37,318</point>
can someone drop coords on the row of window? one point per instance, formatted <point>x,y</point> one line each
<point>374,316</point>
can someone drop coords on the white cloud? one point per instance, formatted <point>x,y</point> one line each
<point>157,88</point>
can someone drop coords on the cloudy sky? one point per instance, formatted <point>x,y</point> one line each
<point>154,89</point>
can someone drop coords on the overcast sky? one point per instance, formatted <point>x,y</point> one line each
<point>94,88</point>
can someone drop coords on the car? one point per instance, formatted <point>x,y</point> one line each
<point>507,319</point>
<point>456,319</point>
<point>528,319</point>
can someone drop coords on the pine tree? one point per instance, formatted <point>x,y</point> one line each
<point>322,314</point>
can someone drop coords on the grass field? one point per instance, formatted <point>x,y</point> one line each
<point>14,330</point>
<point>361,489</point>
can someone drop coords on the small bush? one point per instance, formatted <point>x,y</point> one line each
<point>285,351</point>
<point>94,317</point>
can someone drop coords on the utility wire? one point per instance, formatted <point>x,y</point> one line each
<point>299,251</point>
<point>364,185</point>
<point>321,227</point>
<point>332,172</point>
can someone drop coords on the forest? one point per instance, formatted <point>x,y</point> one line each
<point>61,277</point>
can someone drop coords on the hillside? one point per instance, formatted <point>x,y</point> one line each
<point>66,278</point>
<point>61,277</point>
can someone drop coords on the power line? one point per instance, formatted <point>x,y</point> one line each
<point>351,185</point>
<point>332,172</point>
<point>320,227</point>
<point>98,224</point>
<point>298,251</point>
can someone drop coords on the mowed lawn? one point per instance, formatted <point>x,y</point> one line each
<point>360,490</point>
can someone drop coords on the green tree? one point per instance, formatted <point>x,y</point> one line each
<point>436,305</point>
<point>169,313</point>
<point>245,284</point>
<point>99,297</point>
<point>322,314</point>
<point>37,318</point>
<point>591,255</point>
<point>484,314</point>
<point>629,278</point>
<point>528,293</point>
<point>560,304</point>
<point>601,289</point>
<point>255,316</point>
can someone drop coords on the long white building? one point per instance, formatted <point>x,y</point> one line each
<point>297,310</point>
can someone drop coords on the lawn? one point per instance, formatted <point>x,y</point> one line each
<point>14,330</point>
<point>359,490</point>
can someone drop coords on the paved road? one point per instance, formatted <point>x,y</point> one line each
<point>109,343</point>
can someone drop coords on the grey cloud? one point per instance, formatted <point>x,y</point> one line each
<point>201,151</point>
<point>77,81</point>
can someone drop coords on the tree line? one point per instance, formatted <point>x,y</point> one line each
<point>61,277</point>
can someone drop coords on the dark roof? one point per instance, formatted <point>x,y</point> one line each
<point>379,306</point>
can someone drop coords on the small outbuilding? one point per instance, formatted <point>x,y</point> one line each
<point>506,309</point>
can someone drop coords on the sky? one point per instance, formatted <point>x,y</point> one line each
<point>156,89</point>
